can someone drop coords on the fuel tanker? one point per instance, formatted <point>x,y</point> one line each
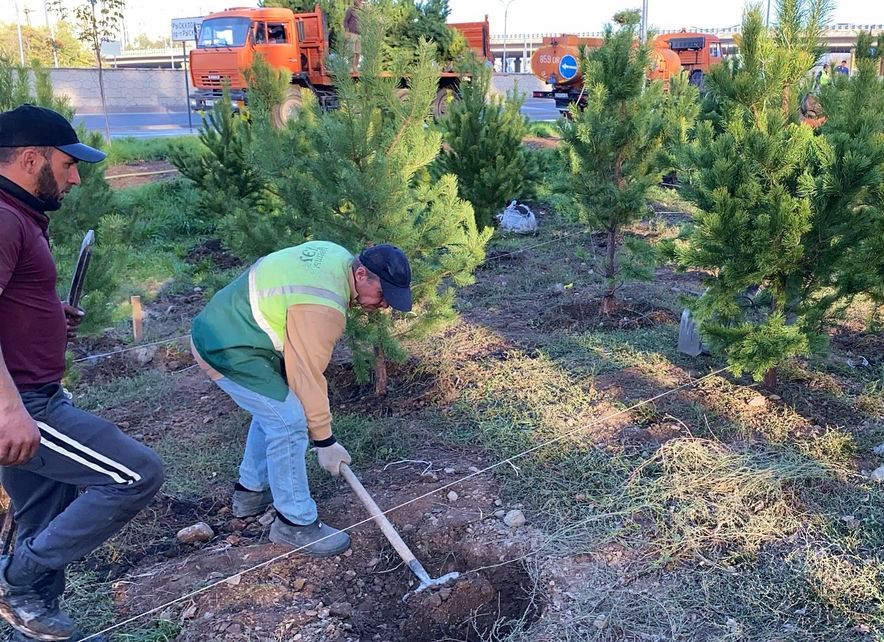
<point>557,62</point>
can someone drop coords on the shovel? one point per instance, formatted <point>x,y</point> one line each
<point>390,533</point>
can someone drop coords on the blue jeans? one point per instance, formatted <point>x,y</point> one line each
<point>275,451</point>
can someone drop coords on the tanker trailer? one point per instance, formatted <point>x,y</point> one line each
<point>556,62</point>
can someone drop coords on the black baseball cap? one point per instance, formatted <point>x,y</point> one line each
<point>391,266</point>
<point>32,126</point>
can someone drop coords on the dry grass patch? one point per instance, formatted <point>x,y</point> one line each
<point>712,500</point>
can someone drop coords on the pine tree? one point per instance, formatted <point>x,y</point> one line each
<point>483,146</point>
<point>372,185</point>
<point>791,218</point>
<point>614,145</point>
<point>357,176</point>
<point>231,190</point>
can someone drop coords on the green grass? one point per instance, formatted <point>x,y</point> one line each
<point>210,459</point>
<point>152,384</point>
<point>125,150</point>
<point>543,129</point>
<point>672,199</point>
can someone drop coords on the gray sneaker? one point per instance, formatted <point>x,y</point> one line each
<point>26,611</point>
<point>248,503</point>
<point>317,539</point>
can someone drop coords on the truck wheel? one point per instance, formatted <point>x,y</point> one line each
<point>288,108</point>
<point>444,97</point>
<point>403,93</point>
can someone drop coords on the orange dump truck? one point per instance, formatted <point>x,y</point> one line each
<point>298,42</point>
<point>557,63</point>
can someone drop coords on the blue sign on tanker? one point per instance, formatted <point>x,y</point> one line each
<point>568,67</point>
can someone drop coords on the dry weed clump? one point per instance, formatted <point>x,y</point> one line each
<point>847,583</point>
<point>707,498</point>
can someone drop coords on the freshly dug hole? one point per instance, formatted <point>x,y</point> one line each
<point>466,609</point>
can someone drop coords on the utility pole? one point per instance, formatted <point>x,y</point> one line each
<point>51,34</point>
<point>506,8</point>
<point>21,42</point>
<point>644,29</point>
<point>767,19</point>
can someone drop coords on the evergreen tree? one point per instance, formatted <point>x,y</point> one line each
<point>791,218</point>
<point>371,185</point>
<point>614,147</point>
<point>231,191</point>
<point>484,147</point>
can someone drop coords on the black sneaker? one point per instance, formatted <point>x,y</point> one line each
<point>26,611</point>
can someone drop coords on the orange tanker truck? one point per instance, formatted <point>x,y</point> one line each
<point>298,42</point>
<point>557,63</point>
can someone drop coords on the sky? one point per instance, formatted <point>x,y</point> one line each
<point>153,17</point>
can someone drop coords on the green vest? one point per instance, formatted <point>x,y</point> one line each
<point>241,331</point>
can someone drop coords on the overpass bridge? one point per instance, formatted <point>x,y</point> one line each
<point>838,39</point>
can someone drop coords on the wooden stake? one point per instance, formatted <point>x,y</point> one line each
<point>137,319</point>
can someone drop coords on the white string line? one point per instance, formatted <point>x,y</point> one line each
<point>410,501</point>
<point>164,171</point>
<point>122,350</point>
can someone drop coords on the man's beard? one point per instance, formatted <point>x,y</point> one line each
<point>47,189</point>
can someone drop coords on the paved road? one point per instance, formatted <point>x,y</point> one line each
<point>156,124</point>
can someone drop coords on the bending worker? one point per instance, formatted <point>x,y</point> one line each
<point>266,340</point>
<point>49,448</point>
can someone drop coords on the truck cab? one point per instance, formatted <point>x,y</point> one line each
<point>230,39</point>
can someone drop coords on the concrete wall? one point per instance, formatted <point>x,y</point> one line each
<point>525,83</point>
<point>126,90</point>
<point>146,90</point>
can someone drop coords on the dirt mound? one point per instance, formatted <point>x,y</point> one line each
<point>587,315</point>
<point>211,250</point>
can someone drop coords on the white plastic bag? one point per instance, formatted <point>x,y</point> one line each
<point>517,218</point>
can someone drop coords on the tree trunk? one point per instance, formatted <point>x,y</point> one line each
<point>380,373</point>
<point>608,301</point>
<point>770,379</point>
<point>101,93</point>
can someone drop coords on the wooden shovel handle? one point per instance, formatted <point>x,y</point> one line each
<point>377,515</point>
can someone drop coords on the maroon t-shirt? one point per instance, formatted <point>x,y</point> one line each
<point>33,329</point>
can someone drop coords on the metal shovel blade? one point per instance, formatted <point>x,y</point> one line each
<point>688,338</point>
<point>425,580</point>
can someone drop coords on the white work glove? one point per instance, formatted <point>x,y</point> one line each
<point>331,457</point>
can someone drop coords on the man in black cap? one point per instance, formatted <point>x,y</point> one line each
<point>48,447</point>
<point>266,340</point>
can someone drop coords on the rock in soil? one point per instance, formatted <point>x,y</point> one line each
<point>514,519</point>
<point>145,355</point>
<point>199,532</point>
<point>878,474</point>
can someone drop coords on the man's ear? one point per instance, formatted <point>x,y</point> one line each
<point>360,273</point>
<point>30,159</point>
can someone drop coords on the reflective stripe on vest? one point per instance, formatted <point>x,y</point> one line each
<point>315,273</point>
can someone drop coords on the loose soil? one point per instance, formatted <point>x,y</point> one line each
<point>358,595</point>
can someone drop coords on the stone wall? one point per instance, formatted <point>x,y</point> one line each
<point>126,90</point>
